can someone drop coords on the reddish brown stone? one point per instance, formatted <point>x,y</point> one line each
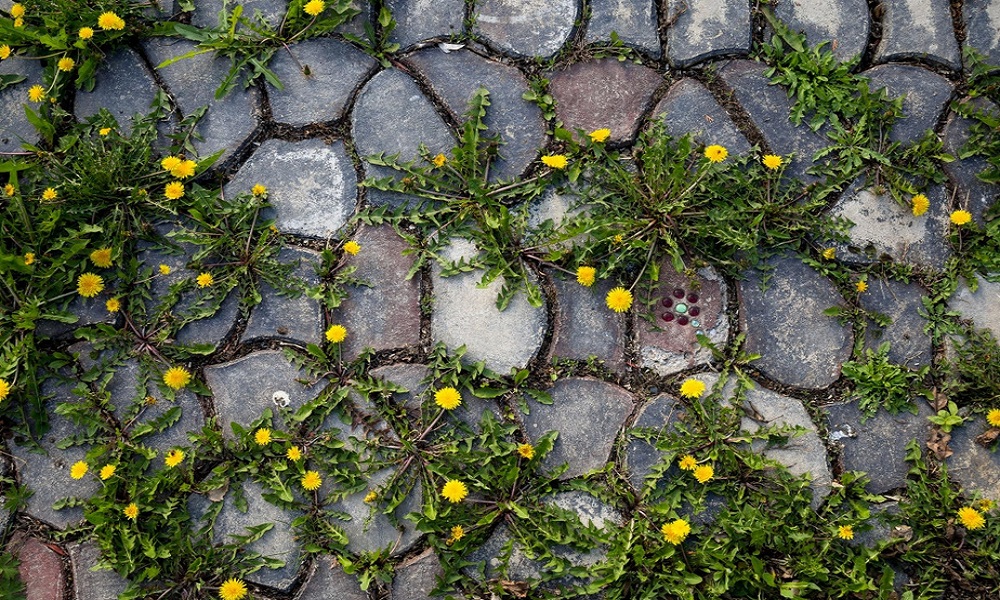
<point>41,570</point>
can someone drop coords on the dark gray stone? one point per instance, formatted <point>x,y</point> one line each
<point>335,70</point>
<point>295,319</point>
<point>245,387</point>
<point>414,122</point>
<point>526,28</point>
<point>457,75</point>
<point>634,21</point>
<point>689,107</point>
<point>88,583</point>
<point>417,577</point>
<point>980,307</point>
<point>88,311</point>
<point>798,344</point>
<point>769,109</point>
<point>908,344</point>
<point>925,97</point>
<point>878,521</point>
<point>878,446</point>
<point>209,330</point>
<point>882,226</point>
<point>975,467</point>
<point>206,12</point>
<point>419,20</point>
<point>661,413</point>
<point>918,30</point>
<point>311,184</point>
<point>842,23</point>
<point>124,86</point>
<point>385,315</point>
<point>982,28</point>
<point>704,29</point>
<point>604,93</point>
<point>974,195</point>
<point>329,581</point>
<point>588,414</point>
<point>583,327</point>
<point>14,126</point>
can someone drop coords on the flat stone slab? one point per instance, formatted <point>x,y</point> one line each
<point>901,302</point>
<point>974,195</point>
<point>206,13</point>
<point>212,330</point>
<point>245,387</point>
<point>689,107</point>
<point>583,328</point>
<point>457,75</point>
<point>526,28</point>
<point>14,126</point>
<point>982,307</point>
<point>414,121</point>
<point>588,414</point>
<point>370,530</point>
<point>419,20</point>
<point>93,584</point>
<point>878,446</point>
<point>294,319</point>
<point>466,314</point>
<point>662,413</point>
<point>328,580</point>
<point>976,468</point>
<point>633,21</point>
<point>604,94</point>
<point>845,24</point>
<point>785,324</point>
<point>41,569</point>
<point>918,30</point>
<point>925,97</point>
<point>704,29</point>
<point>124,86</point>
<point>334,72</point>
<point>982,27</point>
<point>88,311</point>
<point>883,227</point>
<point>669,344</point>
<point>417,577</point>
<point>311,184</point>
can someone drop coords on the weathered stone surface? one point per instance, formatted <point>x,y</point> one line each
<point>206,12</point>
<point>975,467</point>
<point>769,109</point>
<point>335,71</point>
<point>598,411</point>
<point>209,330</point>
<point>88,311</point>
<point>877,447</point>
<point>925,97</point>
<point>93,584</point>
<point>329,581</point>
<point>918,29</point>
<point>41,569</point>
<point>842,23</point>
<point>604,93</point>
<point>633,21</point>
<point>124,86</point>
<point>884,227</point>
<point>704,29</point>
<point>418,20</point>
<point>311,184</point>
<point>689,107</point>
<point>369,530</point>
<point>982,27</point>
<point>981,306</point>
<point>798,344</point>
<point>230,121</point>
<point>662,413</point>
<point>465,314</point>
<point>14,126</point>
<point>526,27</point>
<point>974,195</point>
<point>670,345</point>
<point>414,122</point>
<point>245,387</point>
<point>417,577</point>
<point>297,319</point>
<point>583,327</point>
<point>909,345</point>
<point>457,75</point>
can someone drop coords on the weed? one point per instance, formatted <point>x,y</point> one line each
<point>879,383</point>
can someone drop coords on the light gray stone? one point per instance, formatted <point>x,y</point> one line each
<point>982,307</point>
<point>583,327</point>
<point>843,23</point>
<point>419,20</point>
<point>311,184</point>
<point>290,318</point>
<point>417,577</point>
<point>88,583</point>
<point>14,126</point>
<point>206,12</point>
<point>526,28</point>
<point>124,86</point>
<point>982,27</point>
<point>633,21</point>
<point>974,195</point>
<point>370,530</point>
<point>328,581</point>
<point>925,97</point>
<point>704,29</point>
<point>975,467</point>
<point>689,107</point>
<point>918,29</point>
<point>909,345</point>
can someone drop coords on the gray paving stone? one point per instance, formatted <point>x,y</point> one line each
<point>14,126</point>
<point>466,314</point>
<point>976,468</point>
<point>669,347</point>
<point>244,388</point>
<point>335,71</point>
<point>368,532</point>
<point>982,27</point>
<point>689,107</point>
<point>295,319</point>
<point>417,577</point>
<point>662,413</point>
<point>419,20</point>
<point>583,327</point>
<point>556,205</point>
<point>634,22</point>
<point>206,12</point>
<point>981,306</point>
<point>588,414</point>
<point>925,97</point>
<point>457,75</point>
<point>878,446</point>
<point>909,345</point>
<point>884,227</point>
<point>311,184</point>
<point>88,311</point>
<point>526,27</point>
<point>798,344</point>
<point>975,195</point>
<point>414,122</point>
<point>230,121</point>
<point>328,581</point>
<point>387,314</point>
<point>124,86</point>
<point>704,29</point>
<point>88,583</point>
<point>843,23</point>
<point>918,30</point>
<point>604,93</point>
<point>769,108</point>
<point>210,330</point>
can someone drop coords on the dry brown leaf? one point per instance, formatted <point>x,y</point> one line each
<point>988,437</point>
<point>219,493</point>
<point>938,444</point>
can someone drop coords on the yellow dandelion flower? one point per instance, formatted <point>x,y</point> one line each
<point>619,299</point>
<point>448,398</point>
<point>336,334</point>
<point>830,253</point>
<point>170,163</point>
<point>36,93</point>
<point>113,305</point>
<point>29,258</point>
<point>687,463</point>
<point>772,161</point>
<point>110,20</point>
<point>233,589</point>
<point>352,248</point>
<point>184,169</point>
<point>845,532</point>
<point>556,161</point>
<point>78,470</point>
<point>101,257</point>
<point>961,217</point>
<point>457,533</point>
<point>174,190</point>
<point>17,10</point>
<point>66,64</point>
<point>454,491</point>
<point>526,450</point>
<point>4,52</point>
<point>716,153</point>
<point>258,190</point>
<point>311,481</point>
<point>676,531</point>
<point>293,453</point>
<point>586,276</point>
<point>861,286</point>
<point>177,377</point>
<point>173,458</point>
<point>704,473</point>
<point>440,160</point>
<point>920,204</point>
<point>89,285</point>
<point>4,388</point>
<point>971,518</point>
<point>314,7</point>
<point>205,280</point>
<point>692,388</point>
<point>18,22</point>
<point>262,436</point>
<point>599,135</point>
<point>104,131</point>
<point>985,504</point>
<point>107,471</point>
<point>50,194</point>
<point>371,497</point>
<point>9,189</point>
<point>993,417</point>
<point>164,269</point>
<point>86,33</point>
<point>131,511</point>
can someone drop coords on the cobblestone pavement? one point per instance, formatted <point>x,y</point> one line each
<point>309,144</point>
